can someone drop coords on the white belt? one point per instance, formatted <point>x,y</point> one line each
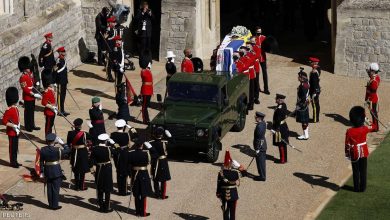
<point>361,144</point>
<point>246,71</point>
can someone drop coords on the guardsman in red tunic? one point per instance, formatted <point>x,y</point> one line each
<point>248,59</point>
<point>252,72</point>
<point>146,89</point>
<point>186,65</point>
<point>11,120</point>
<point>371,93</point>
<point>356,148</point>
<point>263,59</point>
<point>50,112</point>
<point>257,50</point>
<point>27,83</point>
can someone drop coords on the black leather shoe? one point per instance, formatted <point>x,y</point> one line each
<point>56,208</point>
<point>29,130</point>
<point>146,215</point>
<point>257,102</point>
<point>36,128</point>
<point>65,113</point>
<point>166,197</point>
<point>267,92</point>
<point>258,178</point>
<point>15,165</point>
<point>109,210</point>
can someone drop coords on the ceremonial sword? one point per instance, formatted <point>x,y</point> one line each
<point>373,115</point>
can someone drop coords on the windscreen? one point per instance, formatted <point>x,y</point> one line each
<point>192,92</point>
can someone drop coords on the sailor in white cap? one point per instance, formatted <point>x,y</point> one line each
<point>170,66</point>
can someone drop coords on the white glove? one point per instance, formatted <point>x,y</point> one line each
<point>37,84</point>
<point>100,107</point>
<point>17,129</point>
<point>235,164</point>
<point>60,141</point>
<point>273,131</point>
<point>42,175</point>
<point>89,125</point>
<point>121,70</point>
<point>168,134</point>
<point>258,151</point>
<point>147,145</point>
<point>37,96</point>
<point>367,121</point>
<point>111,141</point>
<point>55,85</point>
<point>314,95</point>
<point>129,127</point>
<point>54,109</point>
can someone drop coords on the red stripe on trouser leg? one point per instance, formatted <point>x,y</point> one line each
<point>10,149</point>
<point>164,190</point>
<point>282,156</point>
<point>145,206</point>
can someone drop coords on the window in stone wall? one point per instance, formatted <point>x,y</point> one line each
<point>6,7</point>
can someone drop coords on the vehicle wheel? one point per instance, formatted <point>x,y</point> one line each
<point>212,151</point>
<point>240,124</point>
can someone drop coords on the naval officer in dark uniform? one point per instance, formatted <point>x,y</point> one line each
<point>50,163</point>
<point>260,145</point>
<point>101,158</point>
<point>160,167</point>
<point>138,161</point>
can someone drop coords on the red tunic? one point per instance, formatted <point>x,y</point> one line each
<point>251,63</point>
<point>240,66</point>
<point>147,82</point>
<point>355,142</point>
<point>187,66</point>
<point>244,65</point>
<point>48,98</point>
<point>371,88</point>
<point>26,83</point>
<point>257,50</point>
<point>11,115</point>
<point>259,41</point>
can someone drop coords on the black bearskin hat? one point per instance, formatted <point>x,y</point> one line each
<point>357,116</point>
<point>12,96</point>
<point>198,64</point>
<point>144,62</point>
<point>23,63</point>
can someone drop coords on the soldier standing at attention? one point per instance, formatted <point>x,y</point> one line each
<point>146,88</point>
<point>50,163</point>
<point>61,80</point>
<point>11,120</point>
<point>227,183</point>
<point>109,36</point>
<point>138,160</point>
<point>122,139</point>
<point>279,128</point>
<point>371,93</point>
<point>97,119</point>
<point>101,158</point>
<point>160,167</point>
<point>47,60</point>
<point>263,59</point>
<point>101,26</point>
<point>260,145</point>
<point>356,148</point>
<point>27,83</point>
<point>170,66</point>
<point>186,65</point>
<point>302,108</point>
<point>315,89</point>
<point>116,57</point>
<point>50,112</point>
<point>79,141</point>
<point>257,51</point>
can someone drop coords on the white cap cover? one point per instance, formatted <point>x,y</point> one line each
<point>374,67</point>
<point>103,137</point>
<point>170,54</point>
<point>148,145</point>
<point>235,164</point>
<point>120,123</point>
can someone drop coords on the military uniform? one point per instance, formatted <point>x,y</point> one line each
<point>47,61</point>
<point>187,66</point>
<point>146,92</point>
<point>260,146</point>
<point>139,160</point>
<point>101,26</point>
<point>97,121</point>
<point>101,158</point>
<point>48,100</point>
<point>160,167</point>
<point>372,98</point>
<point>111,32</point>
<point>117,60</point>
<point>79,141</point>
<point>11,115</point>
<point>121,101</point>
<point>279,125</point>
<point>315,89</point>
<point>50,157</point>
<point>252,77</point>
<point>62,81</point>
<point>257,50</point>
<point>122,139</point>
<point>356,148</point>
<point>170,67</point>
<point>302,108</point>
<point>227,183</point>
<point>263,61</point>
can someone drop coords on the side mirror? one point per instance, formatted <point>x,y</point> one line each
<point>159,98</point>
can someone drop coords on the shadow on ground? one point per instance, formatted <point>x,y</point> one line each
<point>338,118</point>
<point>317,180</point>
<point>188,216</point>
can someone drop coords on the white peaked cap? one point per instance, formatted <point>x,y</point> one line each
<point>374,67</point>
<point>103,137</point>
<point>170,54</point>
<point>235,164</point>
<point>120,123</point>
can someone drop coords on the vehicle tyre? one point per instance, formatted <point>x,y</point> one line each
<point>212,150</point>
<point>240,124</point>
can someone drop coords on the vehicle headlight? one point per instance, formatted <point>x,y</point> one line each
<point>200,133</point>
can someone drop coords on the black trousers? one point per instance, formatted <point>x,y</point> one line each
<point>48,76</point>
<point>145,46</point>
<point>283,153</point>
<point>315,104</point>
<point>108,68</point>
<point>13,149</point>
<point>122,183</point>
<point>265,75</point>
<point>118,77</point>
<point>61,95</point>
<point>104,204</point>
<point>49,122</point>
<point>230,209</point>
<point>53,191</point>
<point>145,105</point>
<point>140,205</point>
<point>80,180</point>
<point>257,86</point>
<point>260,163</point>
<point>160,188</point>
<point>359,169</point>
<point>251,94</point>
<point>374,115</point>
<point>29,109</point>
<point>100,55</point>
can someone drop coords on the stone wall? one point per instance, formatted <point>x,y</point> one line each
<point>363,36</point>
<point>63,18</point>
